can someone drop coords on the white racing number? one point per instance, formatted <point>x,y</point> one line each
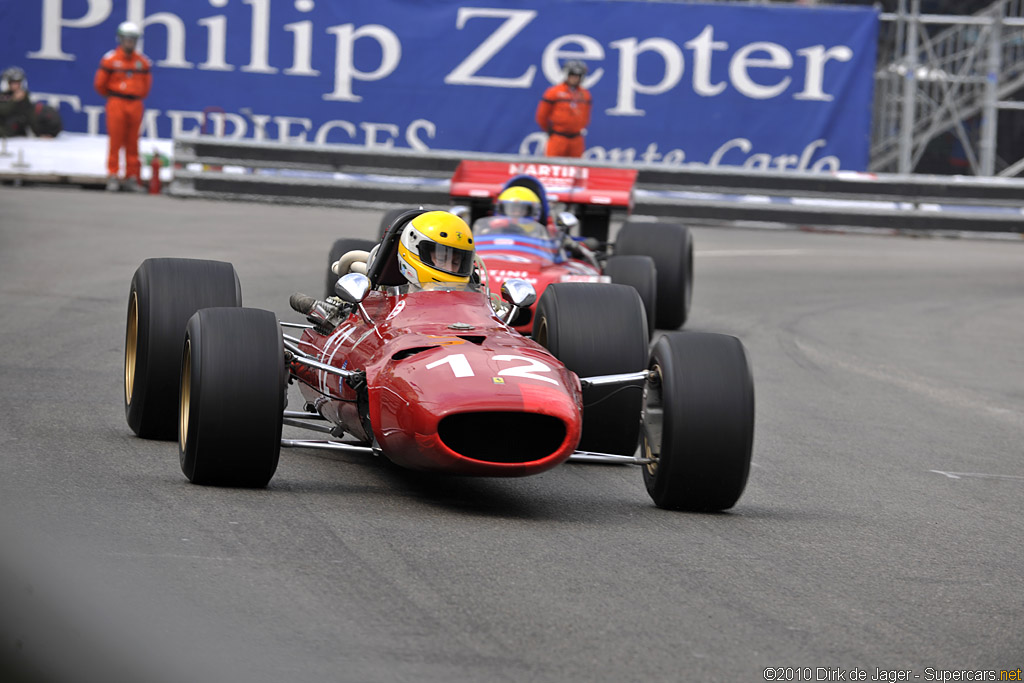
<point>460,366</point>
<point>529,370</point>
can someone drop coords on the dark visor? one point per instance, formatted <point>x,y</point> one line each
<point>446,259</point>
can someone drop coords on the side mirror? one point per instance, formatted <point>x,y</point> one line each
<point>352,288</point>
<point>519,293</point>
<point>567,221</point>
<point>461,211</point>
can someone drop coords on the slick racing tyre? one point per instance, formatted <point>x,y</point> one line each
<point>639,273</point>
<point>671,247</point>
<point>338,249</point>
<point>598,329</point>
<point>698,423</point>
<point>164,294</point>
<point>233,383</point>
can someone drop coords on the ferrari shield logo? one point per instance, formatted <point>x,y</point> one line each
<point>498,380</point>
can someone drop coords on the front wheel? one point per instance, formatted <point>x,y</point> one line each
<point>598,329</point>
<point>698,425</point>
<point>231,405</point>
<point>164,294</point>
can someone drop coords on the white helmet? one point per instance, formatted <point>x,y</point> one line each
<point>128,29</point>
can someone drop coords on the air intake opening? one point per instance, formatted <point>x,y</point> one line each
<point>502,437</point>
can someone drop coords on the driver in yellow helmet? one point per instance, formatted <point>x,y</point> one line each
<point>436,247</point>
<point>518,202</point>
<point>516,211</point>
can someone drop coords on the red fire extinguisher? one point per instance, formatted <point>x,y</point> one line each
<point>154,178</point>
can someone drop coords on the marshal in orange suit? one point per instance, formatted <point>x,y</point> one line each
<point>124,78</point>
<point>564,113</point>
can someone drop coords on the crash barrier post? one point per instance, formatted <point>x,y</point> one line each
<point>353,175</point>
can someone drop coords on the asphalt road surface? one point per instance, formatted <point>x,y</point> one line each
<point>881,528</point>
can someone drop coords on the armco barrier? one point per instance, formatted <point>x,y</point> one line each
<point>358,176</point>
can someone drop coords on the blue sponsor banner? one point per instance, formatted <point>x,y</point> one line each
<point>762,86</point>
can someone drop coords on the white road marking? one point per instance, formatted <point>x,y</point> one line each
<point>977,475</point>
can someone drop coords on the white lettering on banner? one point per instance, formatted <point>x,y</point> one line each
<point>747,65</point>
<point>778,58</point>
<point>178,122</point>
<point>175,33</point>
<point>55,100</point>
<point>371,130</point>
<point>302,55</point>
<point>703,45</point>
<point>284,125</point>
<point>551,59</point>
<point>53,21</point>
<point>781,162</point>
<point>816,56</point>
<point>222,118</point>
<point>344,68</point>
<point>148,128</point>
<point>675,157</point>
<point>92,118</point>
<point>259,45</point>
<point>465,72</point>
<point>412,137</point>
<point>259,126</point>
<point>629,48</point>
<point>375,135</point>
<point>216,41</point>
<point>347,126</point>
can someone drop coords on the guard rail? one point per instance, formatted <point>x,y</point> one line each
<point>353,175</point>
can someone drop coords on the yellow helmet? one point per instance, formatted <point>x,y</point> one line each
<point>518,202</point>
<point>436,246</point>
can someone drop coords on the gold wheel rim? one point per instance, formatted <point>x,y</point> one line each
<point>542,333</point>
<point>655,389</point>
<point>131,347</point>
<point>185,395</point>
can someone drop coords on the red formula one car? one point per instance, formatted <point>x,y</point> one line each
<point>578,204</point>
<point>433,378</point>
<point>569,245</point>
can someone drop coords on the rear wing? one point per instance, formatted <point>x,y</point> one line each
<point>566,183</point>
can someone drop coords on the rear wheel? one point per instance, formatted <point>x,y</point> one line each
<point>598,329</point>
<point>233,382</point>
<point>698,421</point>
<point>338,249</point>
<point>639,273</point>
<point>671,247</point>
<point>163,296</point>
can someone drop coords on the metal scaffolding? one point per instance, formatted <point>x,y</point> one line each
<point>941,75</point>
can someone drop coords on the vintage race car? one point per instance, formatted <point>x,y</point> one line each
<point>579,202</point>
<point>433,379</point>
<point>593,194</point>
<point>656,259</point>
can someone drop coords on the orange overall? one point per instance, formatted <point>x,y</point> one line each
<point>563,113</point>
<point>124,79</point>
